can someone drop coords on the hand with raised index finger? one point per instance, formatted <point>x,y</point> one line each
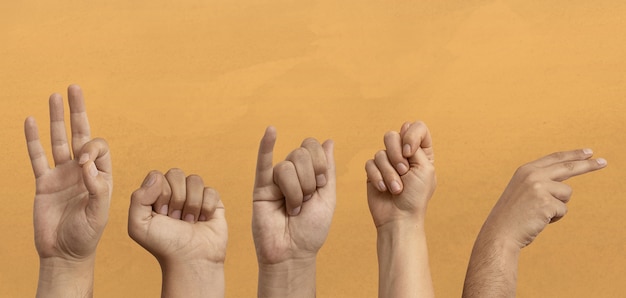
<point>293,206</point>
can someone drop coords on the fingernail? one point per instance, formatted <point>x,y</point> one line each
<point>307,197</point>
<point>587,151</point>
<point>93,171</point>
<point>321,179</point>
<point>176,214</point>
<point>406,150</point>
<point>202,217</point>
<point>402,168</point>
<point>149,180</point>
<point>381,186</point>
<point>189,218</point>
<point>601,161</point>
<point>83,159</point>
<point>295,211</point>
<point>395,186</point>
<point>163,210</point>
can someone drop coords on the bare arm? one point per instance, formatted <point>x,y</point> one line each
<point>401,181</point>
<point>534,198</point>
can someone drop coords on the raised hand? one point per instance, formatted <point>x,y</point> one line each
<point>401,179</point>
<point>181,222</point>
<point>71,200</point>
<point>535,197</point>
<point>400,182</point>
<point>293,205</point>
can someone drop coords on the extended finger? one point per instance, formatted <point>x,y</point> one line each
<point>210,202</point>
<point>81,133</point>
<point>177,181</point>
<point>286,177</point>
<point>264,162</point>
<point>563,156</point>
<point>374,176</point>
<point>390,176</point>
<point>329,152</point>
<point>38,159</point>
<point>567,169</point>
<point>417,136</point>
<point>318,159</point>
<point>60,148</point>
<point>195,194</point>
<point>393,145</point>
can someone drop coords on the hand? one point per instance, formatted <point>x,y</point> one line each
<point>293,205</point>
<point>401,179</point>
<point>178,219</point>
<point>72,199</point>
<point>182,224</point>
<point>536,196</point>
<point>294,201</point>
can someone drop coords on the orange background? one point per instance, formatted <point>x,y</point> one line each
<point>193,84</point>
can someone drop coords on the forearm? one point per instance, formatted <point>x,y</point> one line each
<point>403,269</point>
<point>492,269</point>
<point>192,279</point>
<point>65,278</point>
<point>292,278</point>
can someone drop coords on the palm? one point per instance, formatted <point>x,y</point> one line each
<point>279,237</point>
<point>166,236</point>
<point>63,223</point>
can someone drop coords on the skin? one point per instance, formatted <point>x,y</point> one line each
<point>293,205</point>
<point>72,199</point>
<point>190,245</point>
<point>400,182</point>
<point>535,197</point>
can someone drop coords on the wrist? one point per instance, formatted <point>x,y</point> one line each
<point>60,277</point>
<point>290,278</point>
<point>192,278</point>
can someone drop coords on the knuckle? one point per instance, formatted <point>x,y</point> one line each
<point>174,172</point>
<point>557,155</point>
<point>380,155</point>
<point>193,178</point>
<point>211,192</point>
<point>569,165</point>
<point>310,142</point>
<point>390,135</point>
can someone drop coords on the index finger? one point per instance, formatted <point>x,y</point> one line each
<point>264,170</point>
<point>565,170</point>
<point>564,156</point>
<point>37,155</point>
<point>81,133</point>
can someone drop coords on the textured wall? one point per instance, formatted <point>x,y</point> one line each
<point>193,85</point>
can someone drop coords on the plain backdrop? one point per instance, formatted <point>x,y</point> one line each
<point>193,84</point>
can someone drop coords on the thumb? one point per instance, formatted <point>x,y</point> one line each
<point>142,199</point>
<point>329,147</point>
<point>95,161</point>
